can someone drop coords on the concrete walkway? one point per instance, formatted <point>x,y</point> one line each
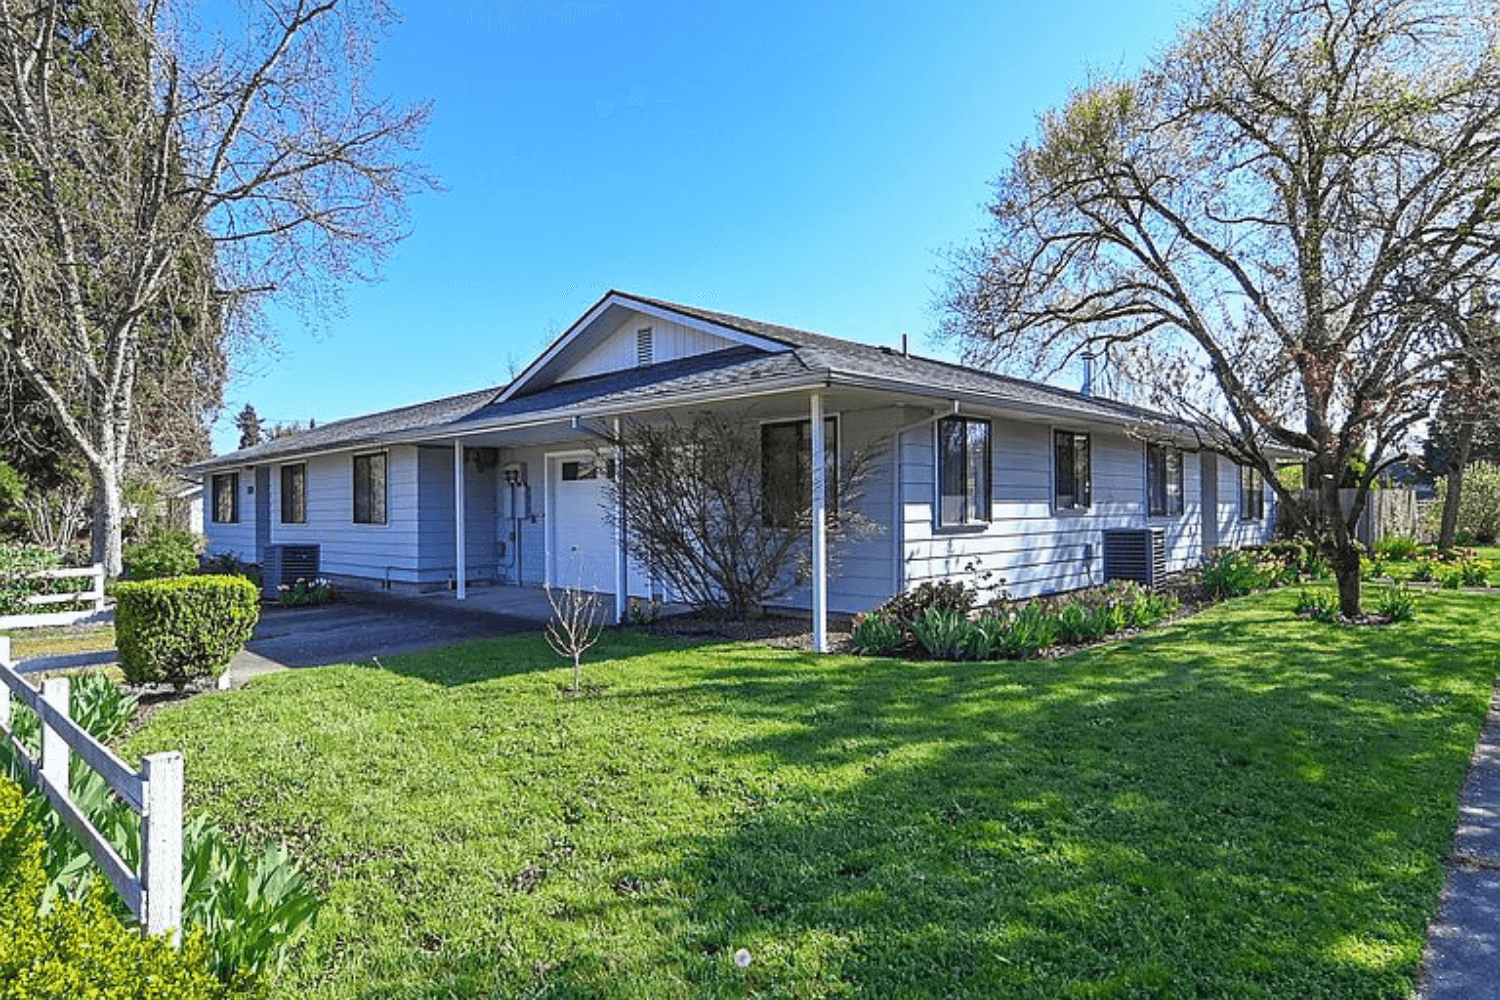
<point>1462,958</point>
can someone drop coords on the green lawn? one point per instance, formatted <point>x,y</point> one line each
<point>1242,805</point>
<point>1403,569</point>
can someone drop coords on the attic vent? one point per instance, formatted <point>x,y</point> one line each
<point>643,351</point>
<point>1138,554</point>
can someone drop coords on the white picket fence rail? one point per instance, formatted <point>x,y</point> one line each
<point>154,894</point>
<point>94,595</point>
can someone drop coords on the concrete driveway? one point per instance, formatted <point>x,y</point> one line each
<point>359,626</point>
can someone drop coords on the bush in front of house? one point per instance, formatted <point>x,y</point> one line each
<point>77,949</point>
<point>943,595</point>
<point>947,629</point>
<point>179,628</point>
<point>164,552</point>
<point>1235,573</point>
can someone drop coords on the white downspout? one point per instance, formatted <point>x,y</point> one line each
<point>819,528</point>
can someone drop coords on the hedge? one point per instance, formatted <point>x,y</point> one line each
<point>81,949</point>
<point>179,628</point>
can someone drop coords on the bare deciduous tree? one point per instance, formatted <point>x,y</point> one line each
<point>1292,208</point>
<point>709,514</point>
<point>154,189</point>
<point>577,622</point>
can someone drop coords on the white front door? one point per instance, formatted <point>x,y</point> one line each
<point>581,539</point>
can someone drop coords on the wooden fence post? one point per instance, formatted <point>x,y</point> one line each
<point>161,843</point>
<point>56,753</point>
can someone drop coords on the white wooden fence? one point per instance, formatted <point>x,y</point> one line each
<point>94,595</point>
<point>154,894</point>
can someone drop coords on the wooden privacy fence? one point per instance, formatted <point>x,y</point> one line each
<point>94,595</point>
<point>154,894</point>
<point>1387,512</point>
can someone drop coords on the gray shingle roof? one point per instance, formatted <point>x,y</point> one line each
<point>809,356</point>
<point>354,431</point>
<point>820,351</point>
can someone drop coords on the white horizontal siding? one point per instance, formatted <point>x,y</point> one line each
<point>1235,532</point>
<point>237,538</point>
<point>669,341</point>
<point>1032,547</point>
<point>371,551</point>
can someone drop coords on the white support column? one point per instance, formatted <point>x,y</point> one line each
<point>459,553</point>
<point>622,557</point>
<point>161,843</point>
<point>819,529</point>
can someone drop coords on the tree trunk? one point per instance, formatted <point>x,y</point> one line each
<point>108,521</point>
<point>1344,549</point>
<point>1460,461</point>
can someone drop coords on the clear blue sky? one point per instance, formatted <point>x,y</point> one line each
<point>800,163</point>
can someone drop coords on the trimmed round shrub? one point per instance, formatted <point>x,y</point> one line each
<point>183,627</point>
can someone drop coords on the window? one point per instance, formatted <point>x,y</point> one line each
<point>1252,494</point>
<point>226,498</point>
<point>786,468</point>
<point>294,494</point>
<point>1072,479</point>
<point>578,471</point>
<point>1163,480</point>
<point>369,488</point>
<point>963,471</point>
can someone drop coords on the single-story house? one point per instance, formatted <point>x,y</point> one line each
<point>1032,481</point>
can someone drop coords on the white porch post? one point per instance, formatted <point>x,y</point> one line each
<point>819,529</point>
<point>459,555</point>
<point>622,558</point>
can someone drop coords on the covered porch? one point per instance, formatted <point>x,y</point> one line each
<point>530,505</point>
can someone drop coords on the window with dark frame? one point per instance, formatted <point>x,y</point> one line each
<point>585,469</point>
<point>1163,480</point>
<point>294,494</point>
<point>963,471</point>
<point>1072,477</point>
<point>1252,494</point>
<point>786,468</point>
<point>369,488</point>
<point>226,498</point>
